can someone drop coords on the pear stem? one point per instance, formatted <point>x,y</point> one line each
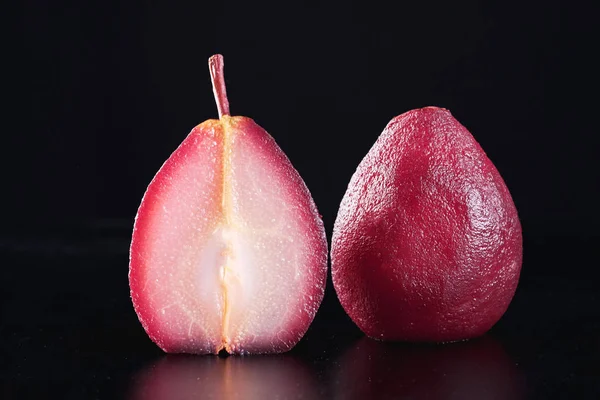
<point>215,65</point>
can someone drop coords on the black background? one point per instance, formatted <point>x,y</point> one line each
<point>101,93</point>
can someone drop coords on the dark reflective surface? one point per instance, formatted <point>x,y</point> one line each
<point>478,369</point>
<point>68,331</point>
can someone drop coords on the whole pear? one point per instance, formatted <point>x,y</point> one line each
<point>427,242</point>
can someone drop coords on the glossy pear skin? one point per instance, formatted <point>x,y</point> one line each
<point>228,250</point>
<point>427,242</point>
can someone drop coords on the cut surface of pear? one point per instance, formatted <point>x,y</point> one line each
<point>228,250</point>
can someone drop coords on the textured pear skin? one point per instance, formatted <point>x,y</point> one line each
<point>427,242</point>
<point>228,249</point>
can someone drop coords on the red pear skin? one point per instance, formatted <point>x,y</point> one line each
<point>228,250</point>
<point>427,243</point>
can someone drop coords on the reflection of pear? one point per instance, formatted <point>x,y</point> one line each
<point>179,377</point>
<point>479,369</point>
